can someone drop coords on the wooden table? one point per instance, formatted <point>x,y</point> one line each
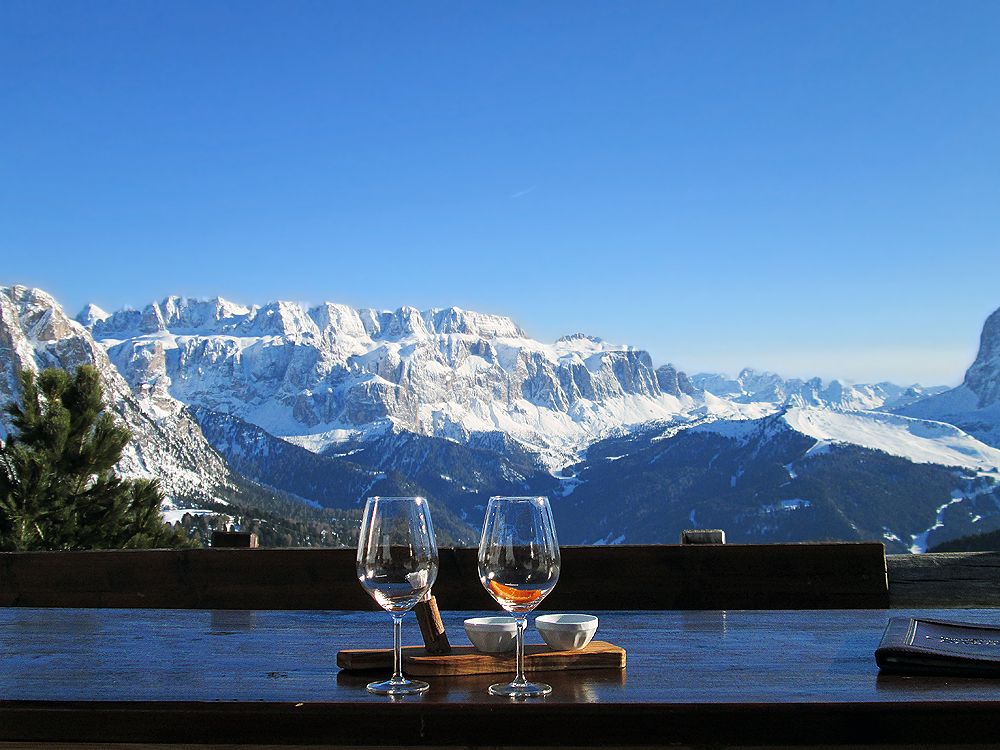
<point>737,677</point>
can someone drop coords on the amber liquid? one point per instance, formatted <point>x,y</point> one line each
<point>517,597</point>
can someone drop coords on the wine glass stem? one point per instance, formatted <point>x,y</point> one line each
<point>397,647</point>
<point>522,623</point>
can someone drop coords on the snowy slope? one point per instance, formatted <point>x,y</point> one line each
<point>916,440</point>
<point>960,406</point>
<point>975,404</point>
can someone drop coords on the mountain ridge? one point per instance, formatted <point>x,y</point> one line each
<point>321,374</point>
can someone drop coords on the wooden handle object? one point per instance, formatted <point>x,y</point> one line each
<point>431,626</point>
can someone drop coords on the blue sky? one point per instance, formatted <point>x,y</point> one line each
<point>808,187</point>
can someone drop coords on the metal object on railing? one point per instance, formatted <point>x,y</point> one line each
<point>703,536</point>
<point>237,539</point>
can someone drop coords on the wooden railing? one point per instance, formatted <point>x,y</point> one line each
<point>944,579</point>
<point>621,577</point>
<point>779,576</point>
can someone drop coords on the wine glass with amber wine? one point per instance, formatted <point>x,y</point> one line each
<point>397,565</point>
<point>519,566</point>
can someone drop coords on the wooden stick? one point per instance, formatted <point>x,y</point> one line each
<point>431,626</point>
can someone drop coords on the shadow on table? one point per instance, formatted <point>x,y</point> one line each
<point>574,686</point>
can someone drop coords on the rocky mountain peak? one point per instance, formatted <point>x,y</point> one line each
<point>457,320</point>
<point>673,381</point>
<point>338,321</point>
<point>90,315</point>
<point>186,314</point>
<point>579,337</point>
<point>38,314</point>
<point>281,318</point>
<point>983,377</point>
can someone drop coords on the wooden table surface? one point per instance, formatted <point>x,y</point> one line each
<point>753,677</point>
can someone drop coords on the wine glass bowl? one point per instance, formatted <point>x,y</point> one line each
<point>397,564</point>
<point>519,565</point>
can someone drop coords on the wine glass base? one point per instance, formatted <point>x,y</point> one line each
<point>406,687</point>
<point>525,690</point>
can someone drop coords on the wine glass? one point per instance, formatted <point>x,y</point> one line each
<point>397,565</point>
<point>519,566</point>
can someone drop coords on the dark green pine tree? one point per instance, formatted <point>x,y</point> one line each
<point>58,490</point>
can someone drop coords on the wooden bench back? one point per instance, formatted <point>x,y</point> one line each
<point>737,576</point>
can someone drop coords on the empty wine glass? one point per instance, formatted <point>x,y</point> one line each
<point>519,566</point>
<point>397,565</point>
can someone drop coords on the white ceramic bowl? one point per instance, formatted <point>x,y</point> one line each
<point>492,635</point>
<point>566,632</point>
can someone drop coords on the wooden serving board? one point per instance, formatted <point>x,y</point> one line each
<point>466,660</point>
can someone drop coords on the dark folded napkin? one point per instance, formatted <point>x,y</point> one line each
<point>939,647</point>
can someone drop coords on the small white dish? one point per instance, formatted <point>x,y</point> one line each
<point>492,635</point>
<point>566,632</point>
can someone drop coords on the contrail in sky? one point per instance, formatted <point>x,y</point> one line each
<point>522,193</point>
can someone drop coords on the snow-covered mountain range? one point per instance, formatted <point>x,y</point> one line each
<point>751,386</point>
<point>317,376</point>
<point>460,405</point>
